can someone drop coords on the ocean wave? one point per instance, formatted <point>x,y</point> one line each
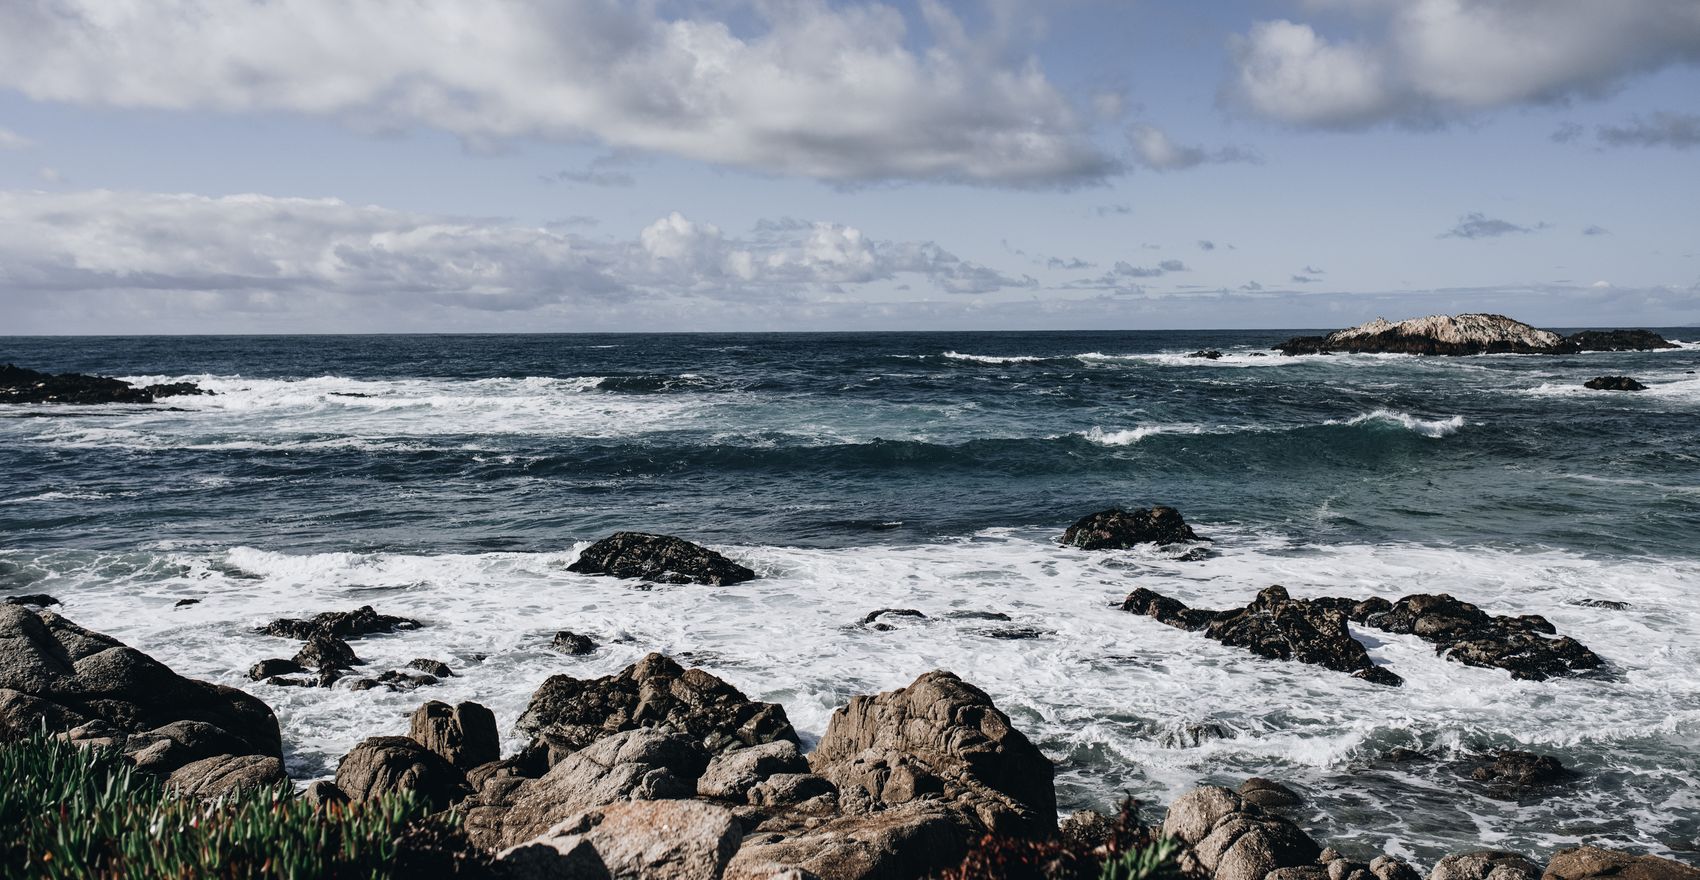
<point>993,359</point>
<point>50,497</point>
<point>1426,427</point>
<point>1130,436</point>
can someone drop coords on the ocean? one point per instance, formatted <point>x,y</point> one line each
<point>453,478</point>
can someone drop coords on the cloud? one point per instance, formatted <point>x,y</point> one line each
<point>1429,61</point>
<point>1072,263</point>
<point>1206,245</point>
<point>11,140</point>
<point>1312,270</point>
<point>1153,149</point>
<point>1596,230</point>
<point>601,171</point>
<point>1109,210</point>
<point>844,93</point>
<point>1679,131</point>
<point>1303,279</point>
<point>1566,133</point>
<point>1478,225</point>
<point>231,252</point>
<point>1119,275</point>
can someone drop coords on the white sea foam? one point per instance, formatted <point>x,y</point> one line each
<point>1122,702</point>
<point>992,359</point>
<point>1129,436</point>
<point>1426,427</point>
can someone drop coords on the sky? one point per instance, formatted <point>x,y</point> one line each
<point>306,166</point>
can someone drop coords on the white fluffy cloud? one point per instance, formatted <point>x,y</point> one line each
<point>838,92</point>
<point>239,250</point>
<point>1435,59</point>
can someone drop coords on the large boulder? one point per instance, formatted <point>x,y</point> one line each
<point>383,765</point>
<point>1613,383</point>
<point>1117,529</point>
<point>942,739</point>
<point>464,734</point>
<point>1229,839</point>
<point>1527,646</point>
<point>220,775</point>
<point>18,385</point>
<point>56,673</point>
<point>731,775</point>
<point>917,839</point>
<point>567,714</point>
<point>1433,335</point>
<point>1487,864</point>
<point>641,840</point>
<point>1598,863</point>
<point>659,558</point>
<point>1275,626</point>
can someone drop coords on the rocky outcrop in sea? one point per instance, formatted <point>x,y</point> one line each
<point>18,385</point>
<point>1467,334</point>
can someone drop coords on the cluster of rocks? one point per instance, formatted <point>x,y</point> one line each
<point>1467,334</point>
<point>1277,626</point>
<point>658,558</point>
<point>1118,529</point>
<point>326,657</point>
<point>1613,383</point>
<point>18,385</point>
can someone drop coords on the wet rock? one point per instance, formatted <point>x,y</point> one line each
<point>434,668</point>
<point>731,775</point>
<point>1615,340</point>
<point>396,680</point>
<point>939,738</point>
<point>658,558</point>
<point>184,603</point>
<point>1402,755</point>
<point>464,734</point>
<point>877,620</point>
<point>323,794</point>
<point>39,600</point>
<point>1526,646</point>
<point>676,840</point>
<point>572,643</point>
<point>384,765</point>
<point>976,615</point>
<point>18,385</point>
<point>912,840</point>
<point>1613,383</point>
<point>567,714</point>
<point>224,774</point>
<point>1274,626</point>
<point>1434,335</point>
<point>1014,633</point>
<point>1268,793</point>
<point>1208,353</point>
<point>1610,604</point>
<point>55,672</point>
<point>267,668</point>
<point>1518,770</point>
<point>1598,863</point>
<point>1485,865</point>
<point>362,621</point>
<point>1117,529</point>
<point>325,652</point>
<point>1196,554</point>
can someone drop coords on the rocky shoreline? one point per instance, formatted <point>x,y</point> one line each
<point>1467,334</point>
<point>665,771</point>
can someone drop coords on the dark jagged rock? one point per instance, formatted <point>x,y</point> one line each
<point>323,794</point>
<point>874,619</point>
<point>326,653</point>
<point>1611,604</point>
<point>1615,340</point>
<point>39,600</point>
<point>658,558</point>
<point>1117,529</point>
<point>342,624</point>
<point>57,674</point>
<point>464,734</point>
<point>1207,353</point>
<point>1469,635</point>
<point>18,385</point>
<point>1519,770</point>
<point>567,714</point>
<point>434,668</point>
<point>184,603</point>
<point>1434,335</point>
<point>1268,793</point>
<point>267,668</point>
<point>568,642</point>
<point>1274,626</point>
<point>384,765</point>
<point>1613,383</point>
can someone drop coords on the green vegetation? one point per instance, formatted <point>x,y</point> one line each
<point>77,813</point>
<point>1157,859</point>
<point>1123,849</point>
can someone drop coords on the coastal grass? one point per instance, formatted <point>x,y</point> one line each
<point>1127,849</point>
<point>69,812</point>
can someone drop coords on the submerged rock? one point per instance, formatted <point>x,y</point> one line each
<point>1519,770</point>
<point>362,621</point>
<point>18,385</point>
<point>1207,353</point>
<point>1434,335</point>
<point>39,600</point>
<point>1613,383</point>
<point>1117,529</point>
<point>659,558</point>
<point>571,643</point>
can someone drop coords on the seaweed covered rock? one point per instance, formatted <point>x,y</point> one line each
<point>1118,529</point>
<point>18,385</point>
<point>56,673</point>
<point>662,559</point>
<point>567,714</point>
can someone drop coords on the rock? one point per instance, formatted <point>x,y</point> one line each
<point>912,840</point>
<point>39,600</point>
<point>1208,353</point>
<point>572,643</point>
<point>1193,814</point>
<point>731,775</point>
<point>223,774</point>
<point>567,714</point>
<point>1615,340</point>
<point>1014,633</point>
<point>325,653</point>
<point>641,840</point>
<point>1613,383</point>
<point>875,619</point>
<point>659,558</point>
<point>323,794</point>
<point>55,672</point>
<point>1274,626</point>
<point>434,668</point>
<point>1386,867</point>
<point>184,603</point>
<point>1517,770</point>
<point>1117,529</point>
<point>1268,793</point>
<point>1597,863</point>
<point>941,738</point>
<point>1469,635</point>
<point>384,765</point>
<point>642,764</point>
<point>267,668</point>
<point>1434,335</point>
<point>464,735</point>
<point>1485,865</point>
<point>1089,829</point>
<point>1611,604</point>
<point>1230,839</point>
<point>362,621</point>
<point>173,745</point>
<point>795,790</point>
<point>977,615</point>
<point>18,385</point>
